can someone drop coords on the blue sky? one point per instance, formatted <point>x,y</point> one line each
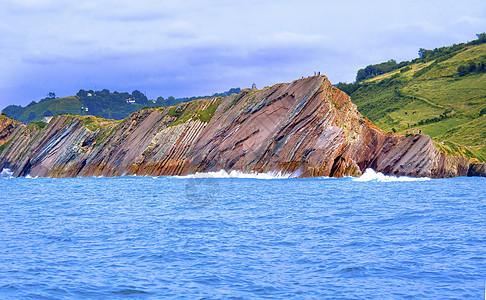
<point>188,48</point>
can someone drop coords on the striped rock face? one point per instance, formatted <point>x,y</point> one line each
<point>307,127</point>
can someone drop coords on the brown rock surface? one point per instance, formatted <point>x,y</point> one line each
<point>477,170</point>
<point>307,127</point>
<point>7,126</point>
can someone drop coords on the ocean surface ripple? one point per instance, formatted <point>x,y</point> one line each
<point>242,238</point>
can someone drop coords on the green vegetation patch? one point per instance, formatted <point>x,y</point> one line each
<point>442,93</point>
<point>5,145</point>
<point>39,125</point>
<point>476,154</point>
<point>104,135</point>
<point>193,111</point>
<point>207,114</point>
<point>94,123</point>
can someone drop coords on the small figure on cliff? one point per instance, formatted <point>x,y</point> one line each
<point>413,131</point>
<point>253,87</point>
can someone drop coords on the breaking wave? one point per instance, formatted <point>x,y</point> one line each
<point>372,175</point>
<point>6,173</point>
<point>238,174</point>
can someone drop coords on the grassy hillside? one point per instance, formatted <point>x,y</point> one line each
<point>102,103</point>
<point>35,112</point>
<point>111,105</point>
<point>443,95</point>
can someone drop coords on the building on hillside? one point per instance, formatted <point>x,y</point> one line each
<point>253,87</point>
<point>130,100</point>
<point>46,119</point>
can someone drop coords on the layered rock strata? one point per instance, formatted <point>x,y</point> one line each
<point>307,127</point>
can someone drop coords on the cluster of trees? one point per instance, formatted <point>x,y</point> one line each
<point>348,88</point>
<point>482,112</point>
<point>439,54</point>
<point>171,101</point>
<point>223,94</point>
<point>13,111</point>
<point>425,55</point>
<point>480,40</point>
<point>443,53</point>
<point>472,67</point>
<point>112,105</point>
<point>378,69</point>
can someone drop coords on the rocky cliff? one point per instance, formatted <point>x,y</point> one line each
<point>307,127</point>
<point>7,127</point>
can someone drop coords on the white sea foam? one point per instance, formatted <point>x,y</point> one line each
<point>6,173</point>
<point>238,174</point>
<point>371,175</point>
<point>30,177</point>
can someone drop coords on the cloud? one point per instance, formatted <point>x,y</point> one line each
<point>33,6</point>
<point>186,48</point>
<point>292,38</point>
<point>125,11</point>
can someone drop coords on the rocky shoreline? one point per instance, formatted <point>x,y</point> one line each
<point>307,127</point>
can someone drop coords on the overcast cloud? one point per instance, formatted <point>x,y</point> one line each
<point>187,48</point>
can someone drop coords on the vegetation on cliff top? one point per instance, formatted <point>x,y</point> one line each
<point>111,105</point>
<point>442,93</point>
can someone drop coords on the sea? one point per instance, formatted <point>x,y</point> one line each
<point>242,236</point>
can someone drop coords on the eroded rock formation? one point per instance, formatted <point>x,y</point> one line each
<point>7,127</point>
<point>307,127</point>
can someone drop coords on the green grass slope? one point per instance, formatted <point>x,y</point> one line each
<point>35,112</point>
<point>111,105</point>
<point>101,103</point>
<point>444,96</point>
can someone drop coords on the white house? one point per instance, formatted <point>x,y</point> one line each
<point>47,119</point>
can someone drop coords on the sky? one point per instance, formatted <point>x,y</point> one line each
<point>192,48</point>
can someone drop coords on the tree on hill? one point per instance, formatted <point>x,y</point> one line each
<point>104,92</point>
<point>378,69</point>
<point>423,53</point>
<point>480,40</point>
<point>139,96</point>
<point>113,105</point>
<point>82,94</point>
<point>13,111</point>
<point>462,70</point>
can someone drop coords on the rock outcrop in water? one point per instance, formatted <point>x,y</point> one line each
<point>307,127</point>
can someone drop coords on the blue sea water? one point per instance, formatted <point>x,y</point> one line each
<point>242,238</point>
